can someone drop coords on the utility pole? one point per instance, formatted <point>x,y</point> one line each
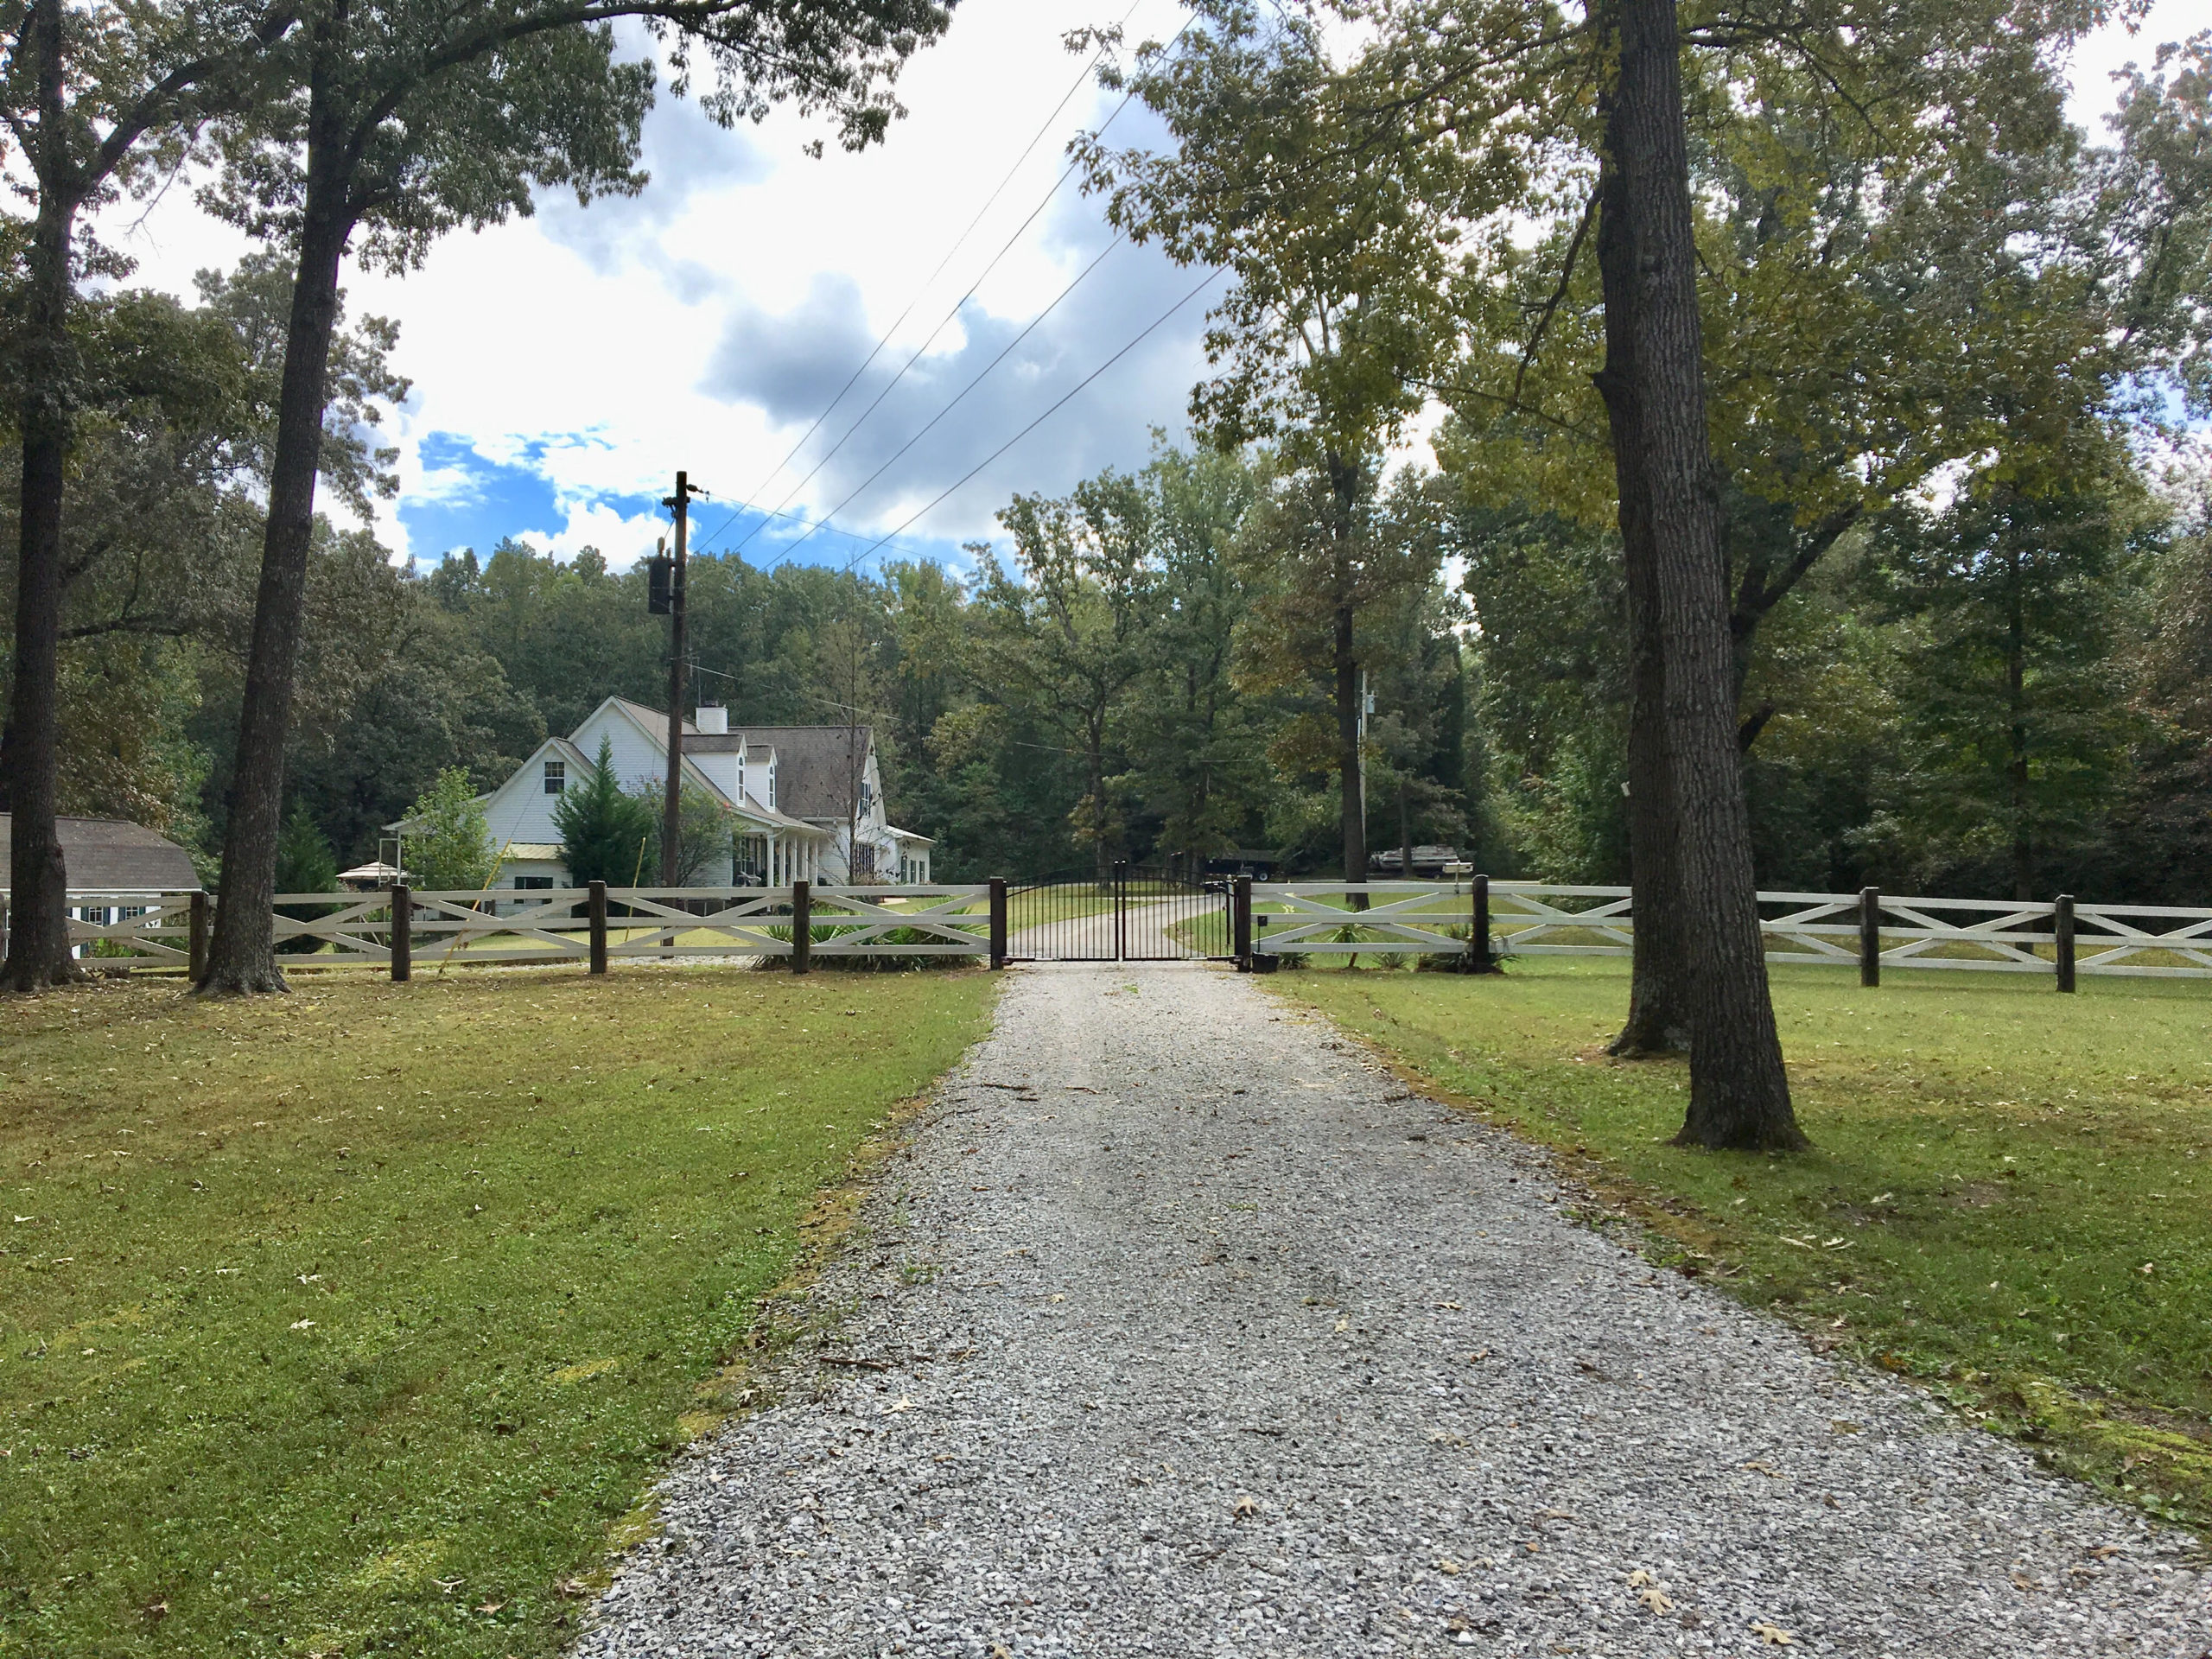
<point>672,795</point>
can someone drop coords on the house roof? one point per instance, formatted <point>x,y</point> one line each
<point>653,720</point>
<point>112,855</point>
<point>815,766</point>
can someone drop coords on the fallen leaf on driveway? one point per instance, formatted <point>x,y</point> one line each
<point>1444,1564</point>
<point>1766,1469</point>
<point>1655,1599</point>
<point>1246,1507</point>
<point>1772,1637</point>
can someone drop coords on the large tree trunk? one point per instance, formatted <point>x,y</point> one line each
<point>38,933</point>
<point>1739,1093</point>
<point>1343,487</point>
<point>1658,1017</point>
<point>2015,698</point>
<point>1353,817</point>
<point>241,958</point>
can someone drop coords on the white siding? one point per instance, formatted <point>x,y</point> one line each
<point>638,760</point>
<point>520,809</point>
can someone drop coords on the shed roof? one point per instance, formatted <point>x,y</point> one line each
<point>112,855</point>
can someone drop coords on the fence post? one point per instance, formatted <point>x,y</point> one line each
<point>595,908</point>
<point>1870,937</point>
<point>1241,923</point>
<point>801,927</point>
<point>403,933</point>
<point>998,921</point>
<point>196,936</point>
<point>2061,929</point>
<point>1479,959</point>
<point>1121,908</point>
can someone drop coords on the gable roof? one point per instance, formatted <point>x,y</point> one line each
<point>112,855</point>
<point>653,720</point>
<point>815,766</point>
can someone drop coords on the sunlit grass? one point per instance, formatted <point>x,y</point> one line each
<point>352,1319</point>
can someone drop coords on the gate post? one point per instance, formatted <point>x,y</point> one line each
<point>595,908</point>
<point>1121,909</point>
<point>1870,937</point>
<point>998,921</point>
<point>196,937</point>
<point>2061,920</point>
<point>1240,922</point>
<point>801,927</point>
<point>1480,960</point>
<point>403,934</point>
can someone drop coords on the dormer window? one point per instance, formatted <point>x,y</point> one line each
<point>556,776</point>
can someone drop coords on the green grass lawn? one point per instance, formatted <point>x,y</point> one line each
<point>2010,1196</point>
<point>351,1321</point>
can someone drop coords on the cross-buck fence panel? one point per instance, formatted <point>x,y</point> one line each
<point>1525,919</point>
<point>553,926</point>
<point>1532,918</point>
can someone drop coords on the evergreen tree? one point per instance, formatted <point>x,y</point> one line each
<point>607,834</point>
<point>304,861</point>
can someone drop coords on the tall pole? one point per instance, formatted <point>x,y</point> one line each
<point>672,793</point>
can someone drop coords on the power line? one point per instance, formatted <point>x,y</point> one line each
<point>1208,282</point>
<point>959,242</point>
<point>944,321</point>
<point>1128,345</point>
<point>1006,350</point>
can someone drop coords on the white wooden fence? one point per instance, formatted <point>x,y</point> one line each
<point>323,929</point>
<point>1531,919</point>
<point>1525,919</point>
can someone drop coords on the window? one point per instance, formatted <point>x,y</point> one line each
<point>533,883</point>
<point>556,776</point>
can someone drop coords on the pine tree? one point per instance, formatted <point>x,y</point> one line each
<point>607,834</point>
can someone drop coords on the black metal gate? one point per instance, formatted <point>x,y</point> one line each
<point>1129,913</point>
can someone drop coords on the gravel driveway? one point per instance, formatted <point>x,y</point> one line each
<point>1198,1335</point>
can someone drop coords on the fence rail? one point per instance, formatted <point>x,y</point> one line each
<point>403,929</point>
<point>1870,929</point>
<point>1476,919</point>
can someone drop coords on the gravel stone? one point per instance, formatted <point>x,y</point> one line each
<point>1201,1335</point>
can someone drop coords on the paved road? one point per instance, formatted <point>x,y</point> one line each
<point>1198,1335</point>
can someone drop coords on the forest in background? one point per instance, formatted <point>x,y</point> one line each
<point>1135,667</point>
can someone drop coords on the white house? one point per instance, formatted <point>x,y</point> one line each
<point>805,802</point>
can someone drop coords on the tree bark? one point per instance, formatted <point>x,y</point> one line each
<point>1343,485</point>
<point>241,958</point>
<point>38,935</point>
<point>1658,1015</point>
<point>1353,817</point>
<point>1739,1092</point>
<point>2016,694</point>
